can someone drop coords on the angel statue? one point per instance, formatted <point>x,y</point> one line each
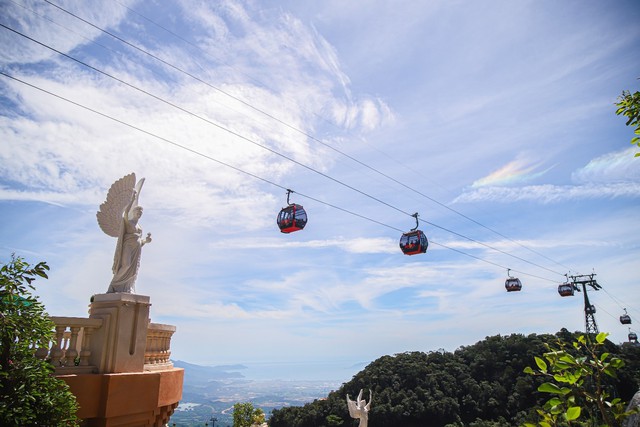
<point>359,410</point>
<point>118,217</point>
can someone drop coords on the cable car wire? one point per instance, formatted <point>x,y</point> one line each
<point>621,304</point>
<point>288,125</point>
<point>317,140</point>
<point>208,157</point>
<point>306,134</point>
<point>184,110</point>
<point>311,137</point>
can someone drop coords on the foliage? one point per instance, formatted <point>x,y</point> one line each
<point>334,420</point>
<point>29,393</point>
<point>629,106</point>
<point>482,385</point>
<point>577,384</point>
<point>245,415</point>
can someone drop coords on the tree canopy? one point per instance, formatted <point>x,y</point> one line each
<point>480,385</point>
<point>29,393</point>
<point>629,106</point>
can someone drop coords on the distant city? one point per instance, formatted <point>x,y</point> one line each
<point>210,392</point>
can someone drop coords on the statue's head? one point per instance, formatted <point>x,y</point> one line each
<point>137,212</point>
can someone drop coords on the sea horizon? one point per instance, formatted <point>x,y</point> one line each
<point>332,371</point>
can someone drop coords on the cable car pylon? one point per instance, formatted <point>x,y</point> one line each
<point>591,327</point>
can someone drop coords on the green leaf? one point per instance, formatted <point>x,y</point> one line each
<point>541,364</point>
<point>617,363</point>
<point>561,366</point>
<point>568,359</point>
<point>528,370</point>
<point>554,401</point>
<point>549,388</point>
<point>601,337</point>
<point>573,413</point>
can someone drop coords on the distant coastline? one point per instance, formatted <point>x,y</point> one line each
<point>331,371</point>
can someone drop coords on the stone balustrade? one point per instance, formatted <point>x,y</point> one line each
<point>116,363</point>
<point>70,352</point>
<point>158,348</point>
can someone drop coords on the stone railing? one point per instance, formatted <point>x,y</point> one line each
<point>158,348</point>
<point>70,351</point>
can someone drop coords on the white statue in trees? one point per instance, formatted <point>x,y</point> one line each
<point>118,217</point>
<point>360,409</point>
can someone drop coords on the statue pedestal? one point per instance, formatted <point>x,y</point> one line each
<point>119,345</point>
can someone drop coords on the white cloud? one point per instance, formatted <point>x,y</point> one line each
<point>52,26</point>
<point>447,102</point>
<point>618,166</point>
<point>612,175</point>
<point>548,193</point>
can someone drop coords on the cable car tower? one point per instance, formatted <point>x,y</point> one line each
<point>589,310</point>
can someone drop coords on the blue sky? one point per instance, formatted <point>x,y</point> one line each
<point>494,120</point>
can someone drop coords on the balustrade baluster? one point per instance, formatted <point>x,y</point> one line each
<point>85,353</point>
<point>72,352</point>
<point>56,351</point>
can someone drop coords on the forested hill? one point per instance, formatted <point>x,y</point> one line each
<point>480,385</point>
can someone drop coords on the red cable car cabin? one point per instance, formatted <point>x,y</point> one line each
<point>565,290</point>
<point>292,218</point>
<point>414,242</point>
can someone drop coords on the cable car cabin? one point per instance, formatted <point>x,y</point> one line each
<point>413,242</point>
<point>512,284</point>
<point>633,337</point>
<point>625,319</point>
<point>565,290</point>
<point>292,218</point>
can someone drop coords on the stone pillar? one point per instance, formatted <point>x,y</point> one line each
<point>119,345</point>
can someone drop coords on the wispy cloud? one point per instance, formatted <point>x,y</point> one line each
<point>612,175</point>
<point>618,166</point>
<point>446,100</point>
<point>549,193</point>
<point>514,172</point>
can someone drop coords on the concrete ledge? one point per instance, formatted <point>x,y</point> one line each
<point>126,399</point>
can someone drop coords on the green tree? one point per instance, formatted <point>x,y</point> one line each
<point>245,415</point>
<point>481,385</point>
<point>629,106</point>
<point>578,385</point>
<point>29,393</point>
<point>334,420</point>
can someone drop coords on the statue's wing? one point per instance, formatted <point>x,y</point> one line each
<point>353,410</point>
<point>138,190</point>
<point>110,214</point>
<point>368,405</point>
